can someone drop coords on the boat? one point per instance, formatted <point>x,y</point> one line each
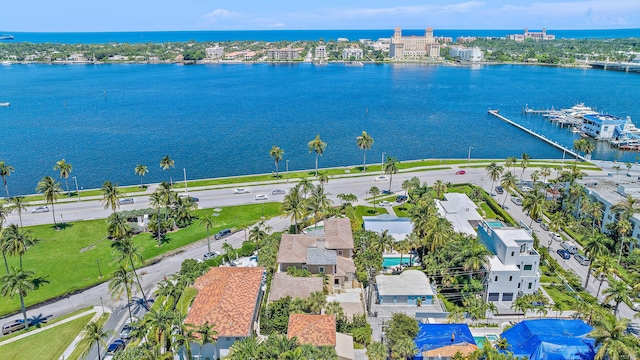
<point>575,130</point>
<point>5,103</point>
<point>6,37</point>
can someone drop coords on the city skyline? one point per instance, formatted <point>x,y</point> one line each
<point>164,15</point>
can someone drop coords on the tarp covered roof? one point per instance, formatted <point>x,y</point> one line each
<point>434,336</point>
<point>551,339</point>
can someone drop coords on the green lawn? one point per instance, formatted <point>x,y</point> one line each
<point>560,295</point>
<point>49,344</point>
<point>69,258</point>
<point>75,355</point>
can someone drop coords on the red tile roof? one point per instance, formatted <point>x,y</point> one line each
<point>317,330</point>
<point>227,298</point>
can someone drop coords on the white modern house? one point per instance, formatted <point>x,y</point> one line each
<point>398,227</point>
<point>514,266</point>
<point>461,213</point>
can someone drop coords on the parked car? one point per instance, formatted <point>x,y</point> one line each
<point>126,201</point>
<point>526,188</point>
<point>222,234</point>
<point>384,203</point>
<point>40,209</point>
<point>582,260</point>
<point>401,198</point>
<point>516,200</point>
<point>555,236</point>
<point>636,306</point>
<point>241,191</point>
<point>261,197</point>
<point>125,333</point>
<point>382,178</point>
<point>211,255</point>
<point>188,196</point>
<point>460,172</point>
<point>564,254</point>
<point>278,192</point>
<point>499,190</point>
<point>544,226</point>
<point>12,326</point>
<point>115,346</point>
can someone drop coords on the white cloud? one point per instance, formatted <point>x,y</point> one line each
<point>277,25</point>
<point>219,13</point>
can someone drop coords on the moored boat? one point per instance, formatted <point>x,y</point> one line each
<point>6,37</point>
<point>5,103</point>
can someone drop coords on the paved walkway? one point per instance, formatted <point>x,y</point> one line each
<point>95,309</point>
<point>74,343</point>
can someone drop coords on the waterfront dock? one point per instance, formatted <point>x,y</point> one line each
<point>535,134</point>
<point>616,66</point>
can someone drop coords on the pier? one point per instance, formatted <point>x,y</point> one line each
<point>535,134</point>
<point>616,66</point>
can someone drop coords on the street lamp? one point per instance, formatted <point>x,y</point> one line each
<point>287,162</point>
<point>382,162</point>
<point>99,271</point>
<point>469,156</point>
<point>77,191</point>
<point>184,171</point>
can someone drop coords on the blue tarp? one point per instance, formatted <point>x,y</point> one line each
<point>434,336</point>
<point>551,339</point>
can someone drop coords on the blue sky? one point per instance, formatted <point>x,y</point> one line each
<point>158,15</point>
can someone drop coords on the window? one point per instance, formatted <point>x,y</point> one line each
<point>510,278</point>
<point>321,269</point>
<point>519,285</point>
<point>530,285</point>
<point>507,297</point>
<point>336,281</point>
<point>523,248</point>
<point>305,268</point>
<point>513,253</point>
<point>340,252</point>
<point>528,267</point>
<point>496,279</point>
<point>494,296</point>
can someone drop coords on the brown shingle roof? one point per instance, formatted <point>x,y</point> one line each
<point>227,299</point>
<point>337,233</point>
<point>293,248</point>
<point>450,350</point>
<point>284,285</point>
<point>345,266</point>
<point>317,330</point>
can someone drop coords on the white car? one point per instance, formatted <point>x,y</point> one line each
<point>636,306</point>
<point>555,236</point>
<point>40,209</point>
<point>382,178</point>
<point>261,197</point>
<point>241,191</point>
<point>384,203</point>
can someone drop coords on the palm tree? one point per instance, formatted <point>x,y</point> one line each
<point>208,225</point>
<point>377,351</point>
<point>164,196</point>
<point>502,344</point>
<point>121,281</point>
<point>65,169</point>
<point>127,250</point>
<point>534,203</point>
<point>404,348</point>
<point>473,257</point>
<point>117,226</point>
<point>316,301</point>
<point>246,348</point>
<point>604,267</point>
<point>374,191</point>
<point>5,172</point>
<point>93,332</point>
<point>364,142</point>
<point>438,231</point>
<point>545,171</point>
<point>613,341</point>
<point>508,182</point>
<point>49,189</point>
<point>294,205</point>
<point>619,292</point>
<point>317,145</point>
<point>110,195</point>
<point>323,177</point>
<point>276,153</point>
<point>19,282</point>
<point>207,336</point>
<point>318,203</point>
<point>141,170</point>
<point>594,247</point>
<point>19,204</point>
<point>159,320</point>
<point>16,241</point>
<point>558,307</point>
<point>390,167</point>
<point>493,172</point>
<point>440,187</point>
<point>166,164</point>
<point>524,163</point>
<point>403,247</point>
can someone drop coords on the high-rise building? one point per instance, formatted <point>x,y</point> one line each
<point>403,47</point>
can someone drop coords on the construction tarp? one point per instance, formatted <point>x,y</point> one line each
<point>434,336</point>
<point>551,339</point>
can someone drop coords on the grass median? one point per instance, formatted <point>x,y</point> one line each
<point>74,258</point>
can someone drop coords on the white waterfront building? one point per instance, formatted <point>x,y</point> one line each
<point>514,267</point>
<point>466,54</point>
<point>356,53</point>
<point>214,52</point>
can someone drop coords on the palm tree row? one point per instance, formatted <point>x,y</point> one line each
<point>306,199</point>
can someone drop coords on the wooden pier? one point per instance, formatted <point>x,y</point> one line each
<point>535,134</point>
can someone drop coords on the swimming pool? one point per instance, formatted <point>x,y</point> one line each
<point>395,261</point>
<point>480,341</point>
<point>495,224</point>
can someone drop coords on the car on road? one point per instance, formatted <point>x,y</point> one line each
<point>537,303</point>
<point>401,198</point>
<point>382,178</point>
<point>564,254</point>
<point>544,226</point>
<point>261,197</point>
<point>526,188</point>
<point>125,333</point>
<point>460,172</point>
<point>555,236</point>
<point>384,203</point>
<point>222,234</point>
<point>126,201</point>
<point>582,260</point>
<point>278,192</point>
<point>241,191</point>
<point>635,306</point>
<point>211,255</point>
<point>15,325</point>
<point>188,196</point>
<point>516,200</point>
<point>499,190</point>
<point>114,347</point>
<point>40,209</point>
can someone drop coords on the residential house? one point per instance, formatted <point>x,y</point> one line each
<point>320,330</point>
<point>283,285</point>
<point>229,299</point>
<point>321,53</point>
<point>352,52</point>
<point>461,212</point>
<point>397,227</point>
<point>444,341</point>
<point>215,52</point>
<point>411,287</point>
<point>514,266</point>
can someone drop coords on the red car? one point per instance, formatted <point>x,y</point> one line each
<point>460,172</point>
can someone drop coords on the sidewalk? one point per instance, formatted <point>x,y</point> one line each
<point>74,343</point>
